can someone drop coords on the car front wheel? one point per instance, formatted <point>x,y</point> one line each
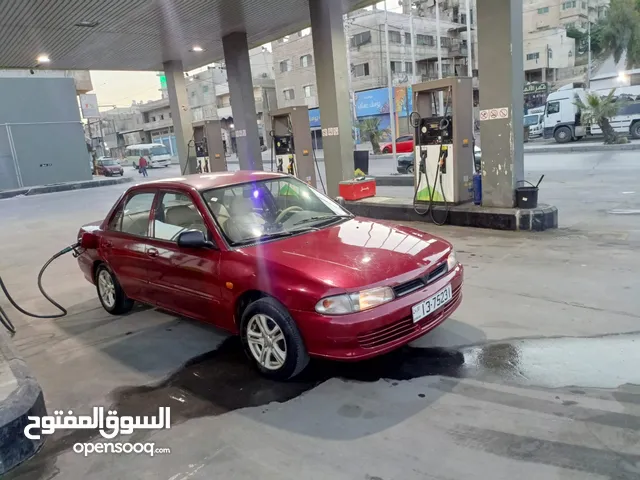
<point>110,292</point>
<point>410,169</point>
<point>272,341</point>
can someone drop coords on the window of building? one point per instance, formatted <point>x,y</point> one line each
<point>285,66</point>
<point>360,39</point>
<point>193,93</point>
<point>570,25</point>
<point>396,67</point>
<point>306,60</point>
<point>169,114</point>
<point>543,10</point>
<point>161,116</point>
<point>153,119</point>
<point>289,94</point>
<point>308,91</point>
<point>568,5</point>
<point>394,36</point>
<point>584,5</point>
<point>407,38</point>
<point>361,70</point>
<point>205,88</point>
<point>428,40</point>
<point>408,67</point>
<point>445,41</point>
<point>533,56</point>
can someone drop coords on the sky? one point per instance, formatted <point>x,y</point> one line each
<point>122,88</point>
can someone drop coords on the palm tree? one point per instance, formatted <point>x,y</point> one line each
<point>370,130</point>
<point>597,109</point>
<point>621,32</point>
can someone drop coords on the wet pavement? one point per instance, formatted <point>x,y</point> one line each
<point>222,381</point>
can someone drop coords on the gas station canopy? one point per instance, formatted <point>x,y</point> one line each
<point>141,34</point>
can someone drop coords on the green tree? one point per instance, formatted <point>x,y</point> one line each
<point>621,32</point>
<point>597,109</point>
<point>370,130</point>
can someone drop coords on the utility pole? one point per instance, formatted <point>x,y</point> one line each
<point>413,46</point>
<point>588,45</point>
<point>392,120</point>
<point>439,51</point>
<point>469,42</point>
<point>352,95</point>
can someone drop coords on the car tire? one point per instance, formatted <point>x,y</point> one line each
<point>562,135</point>
<point>635,130</point>
<point>410,169</point>
<point>115,301</point>
<point>281,331</point>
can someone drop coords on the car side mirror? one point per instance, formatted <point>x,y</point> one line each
<point>194,239</point>
<point>340,201</point>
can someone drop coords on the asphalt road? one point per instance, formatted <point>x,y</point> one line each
<point>534,377</point>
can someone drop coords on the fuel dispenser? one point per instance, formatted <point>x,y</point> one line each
<point>443,142</point>
<point>291,144</point>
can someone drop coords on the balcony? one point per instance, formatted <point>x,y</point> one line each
<point>458,51</point>
<point>166,123</point>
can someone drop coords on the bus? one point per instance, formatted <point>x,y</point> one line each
<point>157,155</point>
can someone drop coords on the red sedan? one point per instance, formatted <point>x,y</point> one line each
<point>404,144</point>
<point>265,256</point>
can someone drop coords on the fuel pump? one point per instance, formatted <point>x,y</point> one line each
<point>291,144</point>
<point>443,142</point>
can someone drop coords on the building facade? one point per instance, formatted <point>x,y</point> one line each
<point>365,31</point>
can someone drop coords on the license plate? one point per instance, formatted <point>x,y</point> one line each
<point>431,304</point>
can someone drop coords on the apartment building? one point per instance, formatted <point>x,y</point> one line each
<point>365,30</point>
<point>209,99</point>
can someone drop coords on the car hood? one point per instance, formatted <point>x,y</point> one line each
<point>112,167</point>
<point>357,253</point>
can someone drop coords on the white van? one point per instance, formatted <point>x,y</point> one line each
<point>157,154</point>
<point>535,123</point>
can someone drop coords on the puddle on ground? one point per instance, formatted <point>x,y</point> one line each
<point>223,380</point>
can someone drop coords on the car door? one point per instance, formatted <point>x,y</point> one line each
<point>184,280</point>
<point>405,144</point>
<point>124,243</point>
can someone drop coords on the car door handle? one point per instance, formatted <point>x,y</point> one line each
<point>152,252</point>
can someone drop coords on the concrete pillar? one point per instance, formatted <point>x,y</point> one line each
<point>243,107</point>
<point>501,74</point>
<point>181,115</point>
<point>213,134</point>
<point>332,72</point>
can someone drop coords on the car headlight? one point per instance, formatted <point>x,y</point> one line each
<point>452,261</point>
<point>355,302</point>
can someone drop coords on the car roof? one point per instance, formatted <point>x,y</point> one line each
<point>206,181</point>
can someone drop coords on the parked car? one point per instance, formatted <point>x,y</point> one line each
<point>406,162</point>
<point>108,167</point>
<point>267,257</point>
<point>404,144</point>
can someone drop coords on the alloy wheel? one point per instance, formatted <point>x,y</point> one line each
<point>266,342</point>
<point>107,288</point>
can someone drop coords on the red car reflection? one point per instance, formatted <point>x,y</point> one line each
<point>265,256</point>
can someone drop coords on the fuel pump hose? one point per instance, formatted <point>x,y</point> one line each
<point>4,318</point>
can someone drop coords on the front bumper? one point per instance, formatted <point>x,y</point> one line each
<point>371,333</point>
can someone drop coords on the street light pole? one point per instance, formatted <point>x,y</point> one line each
<point>469,43</point>
<point>392,120</point>
<point>588,46</point>
<point>439,51</point>
<point>413,47</point>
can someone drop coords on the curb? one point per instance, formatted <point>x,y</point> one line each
<point>598,147</point>
<point>63,187</point>
<point>26,400</point>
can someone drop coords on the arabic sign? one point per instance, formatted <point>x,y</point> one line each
<point>535,88</point>
<point>314,117</point>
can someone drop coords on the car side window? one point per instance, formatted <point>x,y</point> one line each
<point>176,213</point>
<point>134,217</point>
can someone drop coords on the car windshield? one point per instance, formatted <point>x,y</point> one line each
<point>530,120</point>
<point>159,150</point>
<point>269,209</point>
<point>108,161</point>
<point>406,158</point>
